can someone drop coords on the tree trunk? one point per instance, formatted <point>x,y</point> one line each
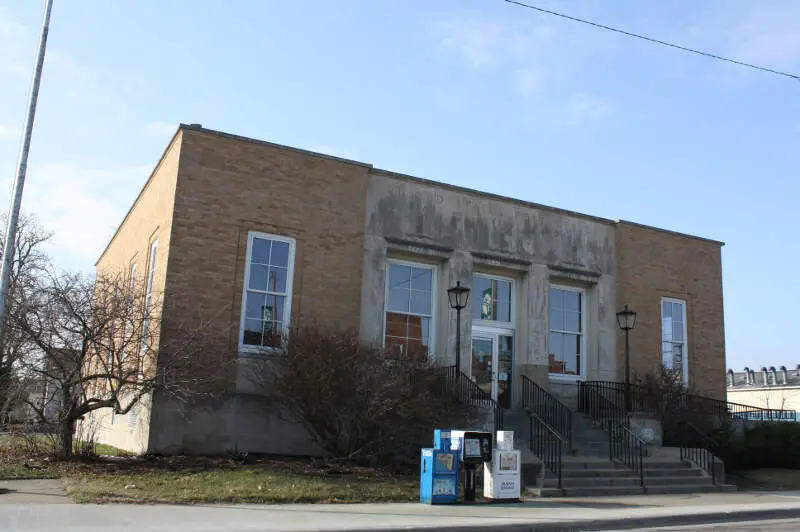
<point>67,429</point>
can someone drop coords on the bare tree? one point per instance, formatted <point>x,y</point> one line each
<point>96,344</point>
<point>30,263</point>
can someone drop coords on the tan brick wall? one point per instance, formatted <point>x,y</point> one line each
<point>149,218</point>
<point>229,186</point>
<point>652,264</point>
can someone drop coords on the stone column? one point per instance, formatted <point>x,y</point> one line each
<point>373,290</point>
<point>604,366</point>
<point>458,268</point>
<point>533,324</point>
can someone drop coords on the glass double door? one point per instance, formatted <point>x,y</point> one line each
<point>492,359</point>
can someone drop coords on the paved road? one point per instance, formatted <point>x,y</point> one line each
<point>25,511</point>
<point>747,526</point>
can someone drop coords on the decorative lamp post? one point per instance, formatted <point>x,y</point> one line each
<point>459,298</point>
<point>626,319</point>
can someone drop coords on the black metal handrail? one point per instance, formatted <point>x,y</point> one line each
<point>469,393</point>
<point>547,445</point>
<point>624,446</point>
<point>553,412</point>
<point>699,448</point>
<point>643,399</point>
<point>595,403</point>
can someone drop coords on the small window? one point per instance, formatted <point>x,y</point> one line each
<point>409,310</point>
<point>266,304</point>
<point>491,299</point>
<point>674,355</point>
<point>566,340</point>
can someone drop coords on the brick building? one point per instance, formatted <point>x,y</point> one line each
<point>260,236</point>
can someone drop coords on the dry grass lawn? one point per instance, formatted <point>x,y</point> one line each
<point>185,480</point>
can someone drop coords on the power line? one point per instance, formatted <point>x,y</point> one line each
<point>656,41</point>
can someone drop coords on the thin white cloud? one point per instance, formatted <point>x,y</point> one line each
<point>450,98</point>
<point>483,42</point>
<point>83,206</point>
<point>8,132</point>
<point>745,31</point>
<point>528,80</point>
<point>159,129</point>
<point>12,34</point>
<point>583,109</point>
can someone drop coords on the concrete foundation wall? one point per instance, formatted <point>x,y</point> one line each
<point>128,432</point>
<point>234,423</point>
<point>461,233</point>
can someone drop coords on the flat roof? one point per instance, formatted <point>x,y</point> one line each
<point>456,188</point>
<point>388,173</point>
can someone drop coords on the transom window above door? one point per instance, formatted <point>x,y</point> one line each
<point>566,342</point>
<point>491,299</point>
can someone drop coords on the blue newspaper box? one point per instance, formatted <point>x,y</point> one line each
<point>442,440</point>
<point>438,478</point>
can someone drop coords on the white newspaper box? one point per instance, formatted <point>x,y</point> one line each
<point>502,477</point>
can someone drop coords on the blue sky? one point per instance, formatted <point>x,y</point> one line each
<point>477,93</point>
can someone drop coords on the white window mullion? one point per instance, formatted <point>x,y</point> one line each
<point>566,339</point>
<point>674,349</point>
<point>267,291</point>
<point>149,291</point>
<point>409,309</point>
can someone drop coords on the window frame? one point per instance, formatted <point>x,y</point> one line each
<point>685,342</point>
<point>129,309</point>
<point>434,269</point>
<point>151,269</point>
<point>510,324</point>
<point>565,376</point>
<point>287,306</point>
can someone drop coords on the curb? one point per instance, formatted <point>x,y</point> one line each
<point>578,525</point>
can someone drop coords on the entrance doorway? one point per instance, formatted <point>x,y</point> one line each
<point>492,358</point>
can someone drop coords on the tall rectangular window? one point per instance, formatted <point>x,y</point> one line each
<point>149,291</point>
<point>674,355</point>
<point>409,309</point>
<point>491,299</point>
<point>267,298</point>
<point>566,341</point>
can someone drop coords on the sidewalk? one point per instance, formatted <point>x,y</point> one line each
<point>34,491</point>
<point>538,515</point>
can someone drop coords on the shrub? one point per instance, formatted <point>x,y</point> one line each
<point>354,402</point>
<point>765,445</point>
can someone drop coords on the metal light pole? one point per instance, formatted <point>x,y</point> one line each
<point>22,168</point>
<point>626,319</point>
<point>458,297</point>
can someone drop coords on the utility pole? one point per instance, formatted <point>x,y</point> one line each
<point>22,168</point>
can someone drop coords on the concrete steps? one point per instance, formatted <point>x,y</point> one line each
<point>596,478</point>
<point>587,470</point>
